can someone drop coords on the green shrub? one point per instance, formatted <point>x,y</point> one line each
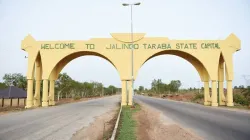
<point>240,99</point>
<point>150,94</point>
<point>76,97</point>
<point>198,96</point>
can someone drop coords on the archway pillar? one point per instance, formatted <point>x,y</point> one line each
<point>45,93</point>
<point>214,93</point>
<point>29,100</point>
<point>207,98</point>
<point>229,93</point>
<point>130,89</point>
<point>52,92</point>
<point>37,99</point>
<point>222,100</point>
<point>124,92</point>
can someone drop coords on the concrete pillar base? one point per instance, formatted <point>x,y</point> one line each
<point>124,93</point>
<point>37,103</point>
<point>222,103</point>
<point>207,103</point>
<point>29,99</point>
<point>52,103</point>
<point>214,104</point>
<point>123,104</point>
<point>230,104</point>
<point>29,104</point>
<point>130,103</point>
<point>45,104</point>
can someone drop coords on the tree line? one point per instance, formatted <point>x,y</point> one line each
<point>158,87</point>
<point>65,86</point>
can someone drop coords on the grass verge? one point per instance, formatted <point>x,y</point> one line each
<point>127,124</point>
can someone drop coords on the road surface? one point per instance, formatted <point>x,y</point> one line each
<point>208,122</point>
<point>54,123</point>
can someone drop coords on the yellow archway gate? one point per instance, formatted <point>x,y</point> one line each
<point>212,59</point>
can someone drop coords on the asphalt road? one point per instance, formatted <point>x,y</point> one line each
<point>54,123</point>
<point>208,122</point>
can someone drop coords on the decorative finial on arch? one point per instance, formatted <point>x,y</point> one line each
<point>29,37</point>
<point>233,41</point>
<point>27,42</point>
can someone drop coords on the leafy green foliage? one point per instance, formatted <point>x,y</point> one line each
<point>198,96</point>
<point>158,87</point>
<point>240,99</point>
<point>174,85</point>
<point>15,79</point>
<point>110,90</point>
<point>247,94</point>
<point>2,85</point>
<point>141,88</point>
<point>67,87</point>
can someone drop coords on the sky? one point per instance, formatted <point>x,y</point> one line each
<point>85,19</point>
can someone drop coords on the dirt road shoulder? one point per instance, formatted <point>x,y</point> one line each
<point>152,125</point>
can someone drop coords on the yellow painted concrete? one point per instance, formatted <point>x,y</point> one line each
<point>124,93</point>
<point>130,92</point>
<point>206,94</point>
<point>205,55</point>
<point>52,92</point>
<point>37,99</point>
<point>45,102</point>
<point>29,100</point>
<point>214,94</point>
<point>229,94</point>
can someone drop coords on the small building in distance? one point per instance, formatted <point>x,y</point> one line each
<point>12,96</point>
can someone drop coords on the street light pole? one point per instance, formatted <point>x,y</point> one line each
<point>132,48</point>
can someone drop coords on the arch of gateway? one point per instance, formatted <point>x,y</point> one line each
<point>213,60</point>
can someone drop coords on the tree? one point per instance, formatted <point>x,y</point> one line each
<point>247,94</point>
<point>110,90</point>
<point>174,85</point>
<point>202,88</point>
<point>141,88</point>
<point>2,85</point>
<point>15,79</point>
<point>64,84</point>
<point>157,86</point>
<point>241,87</point>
